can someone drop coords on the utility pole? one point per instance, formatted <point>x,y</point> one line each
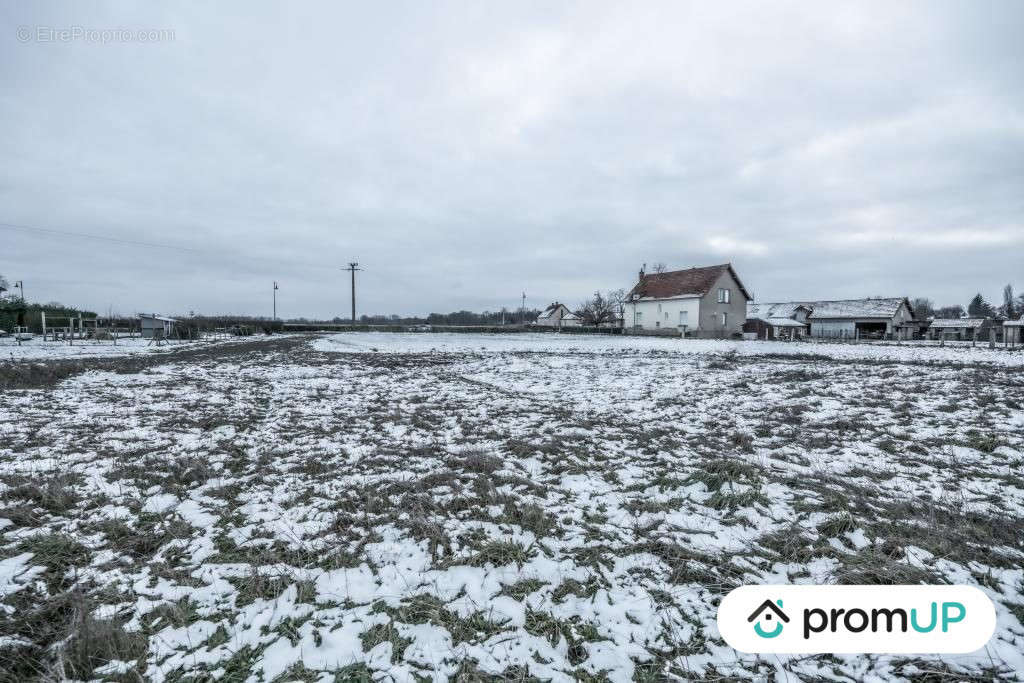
<point>21,285</point>
<point>522,312</point>
<point>352,268</point>
<point>275,299</point>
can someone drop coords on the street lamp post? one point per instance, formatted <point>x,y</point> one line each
<point>275,299</point>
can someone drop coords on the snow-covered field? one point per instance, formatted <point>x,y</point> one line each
<point>37,349</point>
<point>509,507</point>
<point>928,352</point>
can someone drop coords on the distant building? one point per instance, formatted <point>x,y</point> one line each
<point>570,319</point>
<point>882,318</point>
<point>958,329</point>
<point>1012,331</point>
<point>777,321</point>
<point>158,326</point>
<point>558,315</point>
<point>701,302</point>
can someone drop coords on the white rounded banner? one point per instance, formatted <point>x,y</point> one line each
<point>857,619</point>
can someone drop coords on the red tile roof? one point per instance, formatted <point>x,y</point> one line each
<point>691,281</point>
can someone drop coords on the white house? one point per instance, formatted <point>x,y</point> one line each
<point>558,315</point>
<point>702,302</point>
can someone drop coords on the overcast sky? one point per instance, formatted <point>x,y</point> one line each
<point>466,152</point>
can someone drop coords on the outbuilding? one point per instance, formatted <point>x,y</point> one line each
<point>881,318</point>
<point>1013,332</point>
<point>158,326</point>
<point>957,329</point>
<point>776,321</point>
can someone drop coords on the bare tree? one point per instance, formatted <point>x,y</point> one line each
<point>956,311</point>
<point>659,267</point>
<point>601,308</point>
<point>616,296</point>
<point>3,284</point>
<point>1009,307</point>
<point>923,308</point>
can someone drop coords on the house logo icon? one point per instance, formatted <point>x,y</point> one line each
<point>767,612</point>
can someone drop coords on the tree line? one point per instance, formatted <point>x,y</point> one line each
<point>1010,308</point>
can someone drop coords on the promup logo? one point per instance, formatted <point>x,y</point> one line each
<point>857,619</point>
<point>765,613</point>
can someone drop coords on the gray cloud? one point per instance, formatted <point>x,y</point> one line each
<point>466,153</point>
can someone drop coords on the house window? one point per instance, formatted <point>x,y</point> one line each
<point>683,318</point>
<point>724,295</point>
<point>666,315</point>
<point>725,320</point>
<point>639,317</point>
<point>659,308</point>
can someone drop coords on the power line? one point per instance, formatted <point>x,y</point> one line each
<point>67,233</point>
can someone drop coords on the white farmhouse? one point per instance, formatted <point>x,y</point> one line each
<point>558,315</point>
<point>701,302</point>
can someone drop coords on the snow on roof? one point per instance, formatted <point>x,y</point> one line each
<point>764,311</point>
<point>784,322</point>
<point>843,308</point>
<point>958,322</point>
<point>150,316</point>
<point>856,308</point>
<point>550,310</point>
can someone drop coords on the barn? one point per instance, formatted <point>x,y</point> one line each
<point>890,318</point>
<point>872,318</point>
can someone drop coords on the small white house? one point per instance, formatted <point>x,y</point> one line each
<point>154,325</point>
<point>558,315</point>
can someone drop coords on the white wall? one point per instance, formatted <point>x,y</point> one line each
<point>554,319</point>
<point>663,313</point>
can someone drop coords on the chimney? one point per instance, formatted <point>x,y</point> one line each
<point>642,269</point>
